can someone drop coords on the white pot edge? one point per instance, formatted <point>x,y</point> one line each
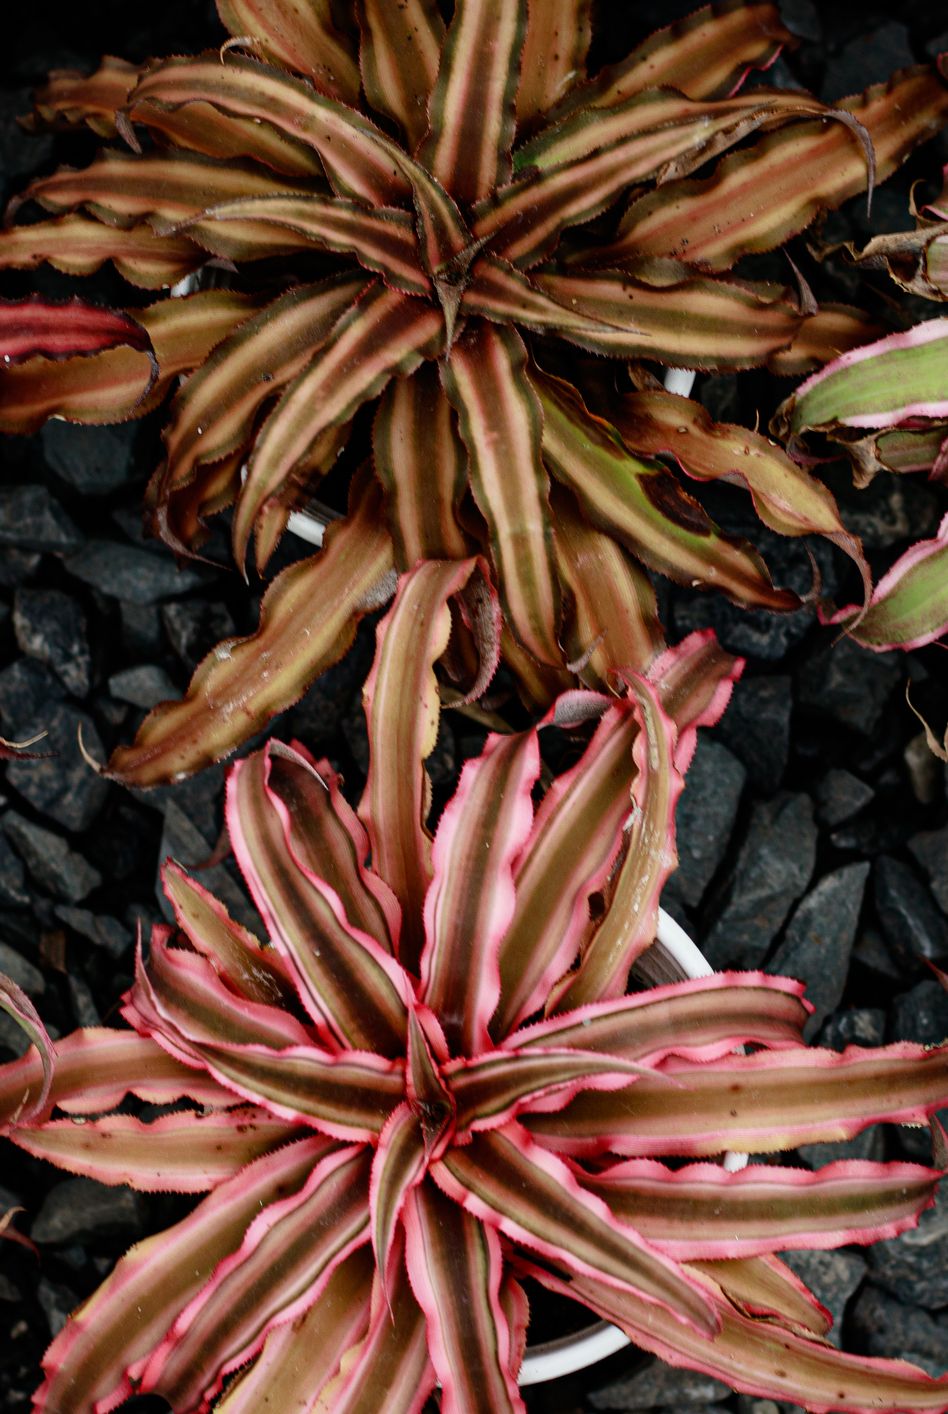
<point>570,1353</point>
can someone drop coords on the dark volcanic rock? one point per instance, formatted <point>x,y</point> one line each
<point>30,519</point>
<point>63,786</point>
<point>705,817</point>
<point>881,1325</point>
<point>97,928</point>
<point>80,1208</point>
<point>655,1384</point>
<point>13,891</point>
<point>144,686</point>
<point>180,840</point>
<point>51,627</point>
<point>849,684</point>
<point>126,572</point>
<point>832,1277</point>
<point>92,460</point>
<point>930,848</point>
<point>861,1026</point>
<point>756,728</point>
<point>194,627</point>
<point>773,869</point>
<point>23,973</point>
<point>870,58</point>
<point>27,690</point>
<point>921,1014</point>
<point>55,867</point>
<point>819,939</point>
<point>839,796</point>
<point>914,1266</point>
<point>913,926</point>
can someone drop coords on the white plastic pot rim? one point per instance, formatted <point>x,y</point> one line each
<point>570,1353</point>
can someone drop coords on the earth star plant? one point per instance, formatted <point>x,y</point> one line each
<point>430,1084</point>
<point>498,222</point>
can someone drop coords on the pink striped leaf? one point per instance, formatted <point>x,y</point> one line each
<point>256,973</point>
<point>34,327</point>
<point>471,111</point>
<point>349,1097</point>
<point>509,1182</point>
<point>176,1153</point>
<point>16,1004</point>
<point>328,839</point>
<point>422,463</point>
<point>402,711</point>
<point>909,605</point>
<point>300,34</point>
<point>703,1211</point>
<point>471,900</point>
<point>94,1069</point>
<point>766,1286</point>
<point>485,376</point>
<point>299,1357</point>
<point>492,1089</point>
<point>631,917</point>
<point>278,1272</point>
<point>357,156</point>
<point>399,58</point>
<point>764,1358</point>
<point>398,1166</point>
<point>764,1103</point>
<point>575,839</point>
<point>385,334</point>
<point>694,681</point>
<point>88,1363</point>
<point>390,1365</point>
<point>455,1266</point>
<point>641,504</point>
<point>499,291</point>
<point>349,984</point>
<point>308,619</point>
<point>701,1019</point>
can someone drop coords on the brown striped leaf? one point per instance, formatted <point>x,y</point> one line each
<point>766,1286</point>
<point>704,1211</point>
<point>786,497</point>
<point>203,128</point>
<point>308,619</point>
<point>471,901</point>
<point>695,322</point>
<point>455,1267</point>
<point>493,1089</point>
<point>383,240</point>
<point>823,336</point>
<point>471,112</point>
<point>300,34</point>
<point>398,1166</point>
<point>642,505</point>
<point>760,197</point>
<point>213,414</point>
<point>612,616</point>
<point>347,981</point>
<point>422,464</point>
<point>360,161</point>
<point>553,56</point>
<point>78,245</point>
<point>764,1103</point>
<point>69,98</point>
<point>385,334</point>
<point>500,418</point>
<point>399,58</point>
<point>402,710</point>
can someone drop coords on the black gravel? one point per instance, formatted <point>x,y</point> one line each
<point>813,832</point>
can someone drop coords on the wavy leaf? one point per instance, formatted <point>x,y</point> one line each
<point>77,245</point>
<point>553,54</point>
<point>399,58</point>
<point>909,605</point>
<point>301,34</point>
